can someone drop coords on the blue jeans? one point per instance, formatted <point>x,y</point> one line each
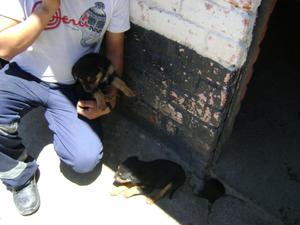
<point>76,139</point>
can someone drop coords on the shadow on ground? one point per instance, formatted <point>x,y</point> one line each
<point>262,158</point>
<point>122,138</point>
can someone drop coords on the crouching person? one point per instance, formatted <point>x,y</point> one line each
<point>42,40</point>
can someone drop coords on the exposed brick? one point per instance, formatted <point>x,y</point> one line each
<point>198,109</point>
<point>174,103</point>
<point>213,29</point>
<point>227,21</point>
<point>181,85</point>
<point>187,139</point>
<point>246,5</point>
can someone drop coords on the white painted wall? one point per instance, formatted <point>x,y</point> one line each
<point>218,29</point>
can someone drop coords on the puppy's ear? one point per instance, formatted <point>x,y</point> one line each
<point>74,71</point>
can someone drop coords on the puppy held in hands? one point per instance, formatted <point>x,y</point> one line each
<point>154,179</point>
<point>95,74</point>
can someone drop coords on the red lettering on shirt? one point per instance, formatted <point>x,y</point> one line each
<point>57,18</point>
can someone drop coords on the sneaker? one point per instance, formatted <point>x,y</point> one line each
<point>27,199</point>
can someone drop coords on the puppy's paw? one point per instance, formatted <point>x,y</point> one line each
<point>150,201</point>
<point>118,190</point>
<point>127,194</point>
<point>130,93</point>
<point>114,192</point>
<point>135,190</point>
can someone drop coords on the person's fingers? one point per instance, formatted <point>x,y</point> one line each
<point>86,103</point>
<point>92,113</point>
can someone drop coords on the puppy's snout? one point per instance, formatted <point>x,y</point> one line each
<point>89,86</point>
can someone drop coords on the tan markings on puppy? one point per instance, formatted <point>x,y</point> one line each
<point>98,78</point>
<point>90,84</point>
<point>135,190</point>
<point>155,179</point>
<point>119,84</point>
<point>110,70</point>
<point>118,190</point>
<point>100,99</point>
<point>163,192</point>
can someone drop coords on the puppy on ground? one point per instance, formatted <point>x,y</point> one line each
<point>95,73</point>
<point>155,179</point>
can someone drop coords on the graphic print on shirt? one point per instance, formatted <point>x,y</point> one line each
<point>94,19</point>
<point>90,24</point>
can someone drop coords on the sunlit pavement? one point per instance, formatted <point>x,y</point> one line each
<point>70,198</point>
<point>67,198</point>
<point>63,202</point>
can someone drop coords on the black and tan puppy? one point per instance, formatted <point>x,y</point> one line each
<point>155,179</point>
<point>95,73</point>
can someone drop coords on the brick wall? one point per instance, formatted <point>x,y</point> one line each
<point>183,57</point>
<point>220,30</point>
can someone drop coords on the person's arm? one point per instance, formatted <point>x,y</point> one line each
<point>115,52</point>
<point>17,36</point>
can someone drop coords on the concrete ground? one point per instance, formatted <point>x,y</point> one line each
<point>69,198</point>
<point>261,160</point>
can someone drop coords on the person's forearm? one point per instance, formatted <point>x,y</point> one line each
<point>115,50</point>
<point>18,38</point>
<point>117,61</point>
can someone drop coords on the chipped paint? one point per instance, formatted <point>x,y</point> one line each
<point>207,115</point>
<point>211,99</point>
<point>216,70</point>
<point>171,128</point>
<point>224,97</point>
<point>170,110</point>
<point>173,94</point>
<point>227,78</point>
<point>247,5</point>
<point>164,92</point>
<point>217,116</point>
<point>202,100</point>
<point>164,83</point>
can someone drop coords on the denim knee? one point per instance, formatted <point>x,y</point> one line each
<point>87,162</point>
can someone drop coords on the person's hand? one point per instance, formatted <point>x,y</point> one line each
<point>88,109</point>
<point>50,6</point>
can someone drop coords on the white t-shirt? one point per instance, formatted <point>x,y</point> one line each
<point>77,28</point>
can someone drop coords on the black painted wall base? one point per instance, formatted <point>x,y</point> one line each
<point>182,96</point>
